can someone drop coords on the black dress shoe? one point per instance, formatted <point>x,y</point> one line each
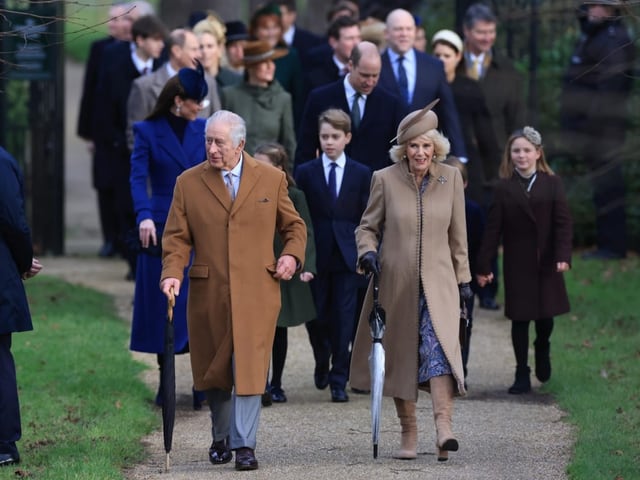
<point>277,395</point>
<point>266,398</point>
<point>321,376</point>
<point>7,459</point>
<point>338,395</point>
<point>489,304</point>
<point>246,459</point>
<point>359,391</point>
<point>220,453</point>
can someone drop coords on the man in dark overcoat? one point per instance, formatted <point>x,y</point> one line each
<point>16,264</point>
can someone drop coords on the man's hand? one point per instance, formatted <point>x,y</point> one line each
<point>285,268</point>
<point>167,284</point>
<point>484,279</point>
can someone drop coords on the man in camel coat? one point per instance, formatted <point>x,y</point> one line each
<point>227,210</point>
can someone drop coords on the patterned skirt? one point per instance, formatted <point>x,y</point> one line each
<point>433,361</point>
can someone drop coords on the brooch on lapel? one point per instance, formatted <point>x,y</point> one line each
<point>442,179</point>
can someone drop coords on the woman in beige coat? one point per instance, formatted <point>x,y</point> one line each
<point>423,269</point>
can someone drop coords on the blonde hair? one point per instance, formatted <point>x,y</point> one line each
<point>213,26</point>
<point>534,138</point>
<point>441,147</point>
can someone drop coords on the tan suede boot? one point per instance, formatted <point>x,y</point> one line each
<point>409,437</point>
<point>442,398</point>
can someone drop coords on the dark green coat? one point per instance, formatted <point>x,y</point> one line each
<point>266,111</point>
<point>297,302</point>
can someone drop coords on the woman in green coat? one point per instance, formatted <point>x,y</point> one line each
<point>297,302</point>
<point>261,100</point>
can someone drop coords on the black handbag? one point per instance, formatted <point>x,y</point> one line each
<point>133,244</point>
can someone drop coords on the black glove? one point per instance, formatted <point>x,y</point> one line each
<point>465,292</point>
<point>369,263</point>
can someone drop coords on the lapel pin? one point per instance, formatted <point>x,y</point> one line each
<point>442,180</point>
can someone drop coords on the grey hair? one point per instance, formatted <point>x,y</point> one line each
<point>441,147</point>
<point>478,12</point>
<point>143,8</point>
<point>238,127</point>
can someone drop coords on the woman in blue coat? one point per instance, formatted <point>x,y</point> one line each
<point>169,141</point>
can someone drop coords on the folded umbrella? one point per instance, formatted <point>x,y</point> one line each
<point>169,380</point>
<point>377,323</point>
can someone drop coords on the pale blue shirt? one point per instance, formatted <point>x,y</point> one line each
<point>236,172</point>
<point>410,66</point>
<point>340,163</point>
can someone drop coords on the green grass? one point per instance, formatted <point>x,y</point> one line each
<point>84,23</point>
<point>596,359</point>
<point>84,407</point>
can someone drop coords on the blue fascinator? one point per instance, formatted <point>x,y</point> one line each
<point>193,81</point>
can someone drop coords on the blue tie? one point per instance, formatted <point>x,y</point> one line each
<point>403,83</point>
<point>332,183</point>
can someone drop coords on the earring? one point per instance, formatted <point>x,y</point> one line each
<point>178,110</point>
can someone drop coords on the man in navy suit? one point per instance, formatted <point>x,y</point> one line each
<point>16,264</point>
<point>418,78</point>
<point>300,39</point>
<point>337,191</point>
<point>375,112</point>
<point>123,63</point>
<point>331,60</point>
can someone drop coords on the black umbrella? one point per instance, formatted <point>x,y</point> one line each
<point>169,380</point>
<point>377,323</point>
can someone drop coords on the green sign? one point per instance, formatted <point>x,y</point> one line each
<point>27,43</point>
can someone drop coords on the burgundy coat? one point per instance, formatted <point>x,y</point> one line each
<point>536,234</point>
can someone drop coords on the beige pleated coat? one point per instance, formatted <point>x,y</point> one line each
<point>440,260</point>
<point>234,300</point>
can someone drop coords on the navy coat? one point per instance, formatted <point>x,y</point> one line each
<point>370,143</point>
<point>335,224</point>
<point>158,158</point>
<point>16,252</point>
<point>431,83</point>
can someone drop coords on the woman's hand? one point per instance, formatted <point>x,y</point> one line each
<point>35,268</point>
<point>562,267</point>
<point>147,230</point>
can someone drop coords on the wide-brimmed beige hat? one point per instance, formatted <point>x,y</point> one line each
<point>260,51</point>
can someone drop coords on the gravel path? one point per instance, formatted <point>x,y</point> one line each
<point>501,436</point>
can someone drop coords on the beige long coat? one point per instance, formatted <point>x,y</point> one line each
<point>439,260</point>
<point>234,300</point>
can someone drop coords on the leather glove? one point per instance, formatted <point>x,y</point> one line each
<point>369,263</point>
<point>465,292</point>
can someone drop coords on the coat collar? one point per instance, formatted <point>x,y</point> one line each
<point>184,154</point>
<point>248,180</point>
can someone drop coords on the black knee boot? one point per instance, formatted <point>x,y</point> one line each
<point>543,362</point>
<point>522,383</point>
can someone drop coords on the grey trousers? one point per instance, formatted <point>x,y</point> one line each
<point>233,416</point>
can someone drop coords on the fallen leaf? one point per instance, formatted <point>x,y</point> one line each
<point>587,344</point>
<point>604,374</point>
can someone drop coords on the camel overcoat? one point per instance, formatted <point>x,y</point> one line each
<point>233,301</point>
<point>536,233</point>
<point>424,240</point>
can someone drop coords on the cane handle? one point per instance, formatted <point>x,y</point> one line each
<point>170,304</point>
